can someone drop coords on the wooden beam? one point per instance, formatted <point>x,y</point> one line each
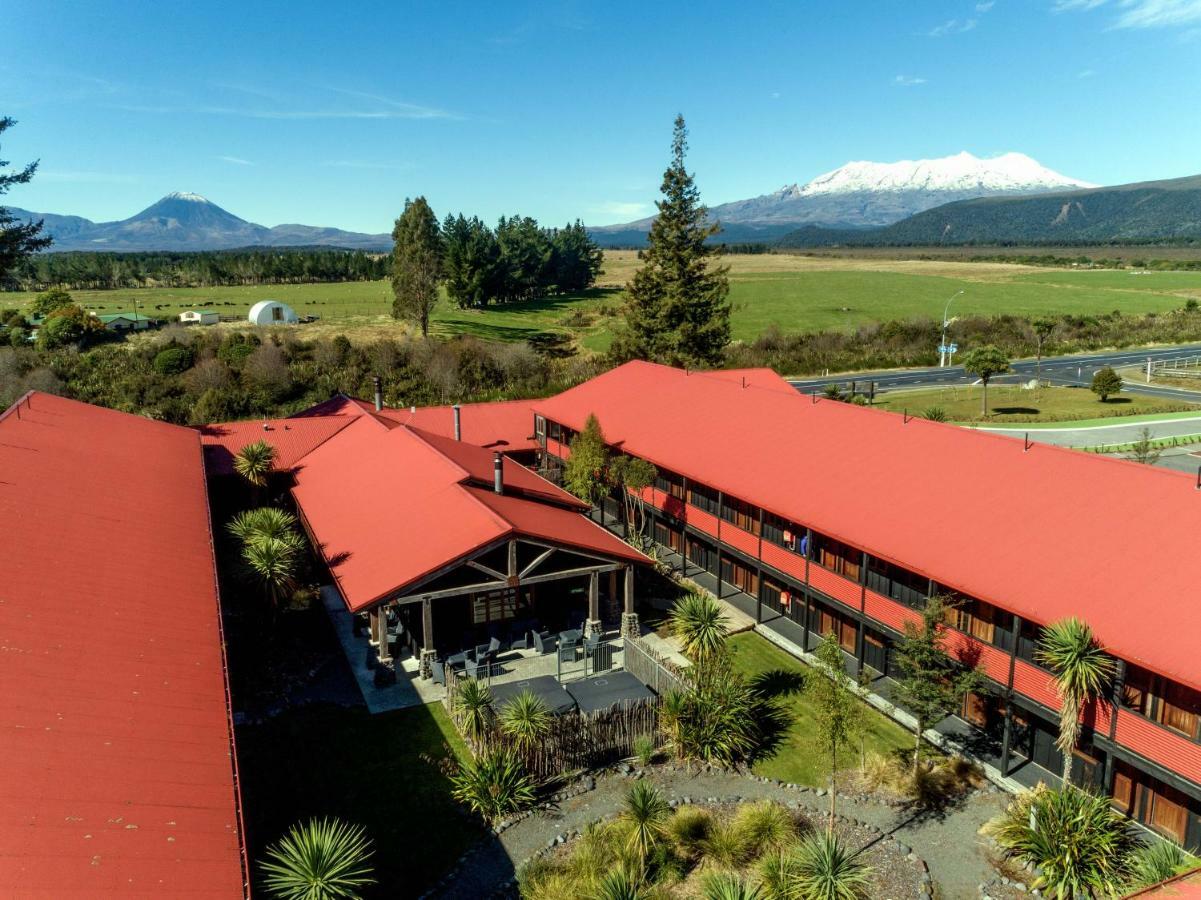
<point>487,570</point>
<point>594,596</point>
<point>513,573</point>
<point>498,585</point>
<point>427,624</point>
<point>629,586</point>
<point>537,562</point>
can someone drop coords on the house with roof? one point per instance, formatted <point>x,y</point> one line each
<point>200,317</point>
<point>125,321</point>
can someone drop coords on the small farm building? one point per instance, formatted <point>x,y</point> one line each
<point>200,317</point>
<point>272,312</point>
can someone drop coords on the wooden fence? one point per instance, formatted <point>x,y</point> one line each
<point>659,674</point>
<point>576,741</point>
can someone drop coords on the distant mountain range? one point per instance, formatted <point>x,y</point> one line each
<point>866,195</point>
<point>183,221</point>
<point>1146,211</point>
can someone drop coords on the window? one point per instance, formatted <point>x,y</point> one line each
<point>702,497</point>
<point>540,426</point>
<point>669,483</point>
<point>553,431</point>
<point>741,514</point>
<point>1028,641</point>
<point>668,536</point>
<point>836,556</point>
<point>772,592</point>
<point>975,617</point>
<point>783,533</point>
<point>830,622</point>
<point>1179,708</point>
<point>1172,705</point>
<point>496,606</point>
<point>742,577</point>
<point>899,584</point>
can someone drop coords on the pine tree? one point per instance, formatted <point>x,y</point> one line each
<point>17,239</point>
<point>586,471</point>
<point>678,311</point>
<point>416,263</point>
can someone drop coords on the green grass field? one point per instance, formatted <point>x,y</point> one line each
<point>795,293</point>
<point>798,759</point>
<point>1015,404</point>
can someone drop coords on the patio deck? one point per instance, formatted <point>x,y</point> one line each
<point>411,689</point>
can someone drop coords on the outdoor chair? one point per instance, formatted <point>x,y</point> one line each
<point>437,673</point>
<point>493,646</point>
<point>544,643</point>
<point>521,643</point>
<point>457,659</point>
<point>591,643</point>
<point>480,650</point>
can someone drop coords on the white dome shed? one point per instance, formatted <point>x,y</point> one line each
<point>272,312</point>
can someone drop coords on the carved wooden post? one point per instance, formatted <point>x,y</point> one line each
<point>629,618</point>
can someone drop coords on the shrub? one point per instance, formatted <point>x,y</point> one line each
<point>728,886</point>
<point>525,720</point>
<point>1153,863</point>
<point>689,828</point>
<point>493,785</point>
<point>1106,383</point>
<point>646,814</point>
<point>1079,842</point>
<point>472,702</point>
<point>823,869</point>
<point>765,825</point>
<point>698,621</point>
<point>727,845</point>
<point>934,414</point>
<point>322,859</point>
<point>174,360</point>
<point>644,750</point>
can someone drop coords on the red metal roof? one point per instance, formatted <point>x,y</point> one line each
<point>505,425</point>
<point>389,507</point>
<point>1045,532</point>
<point>116,746</point>
<point>291,438</point>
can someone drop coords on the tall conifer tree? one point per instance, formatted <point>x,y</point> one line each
<point>678,310</point>
<point>17,239</point>
<point>417,255</point>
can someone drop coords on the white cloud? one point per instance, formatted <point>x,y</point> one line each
<point>908,80</point>
<point>1140,13</point>
<point>952,26</point>
<point>620,208</point>
<point>982,8</point>
<point>1086,73</point>
<point>235,160</point>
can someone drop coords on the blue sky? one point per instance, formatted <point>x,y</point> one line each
<point>331,114</point>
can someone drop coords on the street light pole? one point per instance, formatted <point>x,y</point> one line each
<point>943,361</point>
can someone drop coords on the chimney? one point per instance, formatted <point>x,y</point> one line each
<point>498,478</point>
<point>459,424</point>
<point>379,392</point>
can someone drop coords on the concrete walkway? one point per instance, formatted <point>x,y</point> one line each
<point>947,840</point>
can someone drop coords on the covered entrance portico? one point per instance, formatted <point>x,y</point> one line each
<point>503,595</point>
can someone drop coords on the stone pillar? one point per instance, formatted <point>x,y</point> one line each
<point>427,638</point>
<point>381,636</point>
<point>593,626</point>
<point>629,618</point>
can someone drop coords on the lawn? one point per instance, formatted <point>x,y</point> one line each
<point>797,758</point>
<point>795,293</point>
<point>1016,404</point>
<point>379,771</point>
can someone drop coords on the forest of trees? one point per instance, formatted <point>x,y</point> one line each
<point>518,260</point>
<point>102,271</point>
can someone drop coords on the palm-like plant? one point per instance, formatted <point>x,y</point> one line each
<point>619,884</point>
<point>1078,841</point>
<point>1082,669</point>
<point>275,561</point>
<point>472,702</point>
<point>262,522</point>
<point>699,623</point>
<point>777,871</point>
<point>494,785</point>
<point>254,462</point>
<point>646,812</point>
<point>823,869</point>
<point>322,859</point>
<point>1153,863</point>
<point>525,720</point>
<point>728,886</point>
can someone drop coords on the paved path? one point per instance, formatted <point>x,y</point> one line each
<point>948,842</point>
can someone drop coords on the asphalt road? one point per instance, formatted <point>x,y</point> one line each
<point>1061,370</point>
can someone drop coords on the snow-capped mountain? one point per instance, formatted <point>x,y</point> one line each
<point>869,194</point>
<point>187,221</point>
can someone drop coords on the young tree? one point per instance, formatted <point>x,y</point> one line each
<point>1043,328</point>
<point>254,462</point>
<point>586,471</point>
<point>17,239</point>
<point>985,362</point>
<point>1082,670</point>
<point>932,685</point>
<point>839,710</point>
<point>48,301</point>
<point>1144,450</point>
<point>631,476</point>
<point>1106,382</point>
<point>416,263</point>
<point>678,310</point>
<point>698,621</point>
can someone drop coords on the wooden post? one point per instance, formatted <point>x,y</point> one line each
<point>629,618</point>
<point>385,654</point>
<point>513,559</point>
<point>593,625</point>
<point>427,637</point>
<point>373,627</point>
<point>1007,735</point>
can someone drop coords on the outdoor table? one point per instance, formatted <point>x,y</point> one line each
<point>546,687</point>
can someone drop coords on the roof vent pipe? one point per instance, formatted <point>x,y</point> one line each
<point>498,478</point>
<point>379,392</point>
<point>459,424</point>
